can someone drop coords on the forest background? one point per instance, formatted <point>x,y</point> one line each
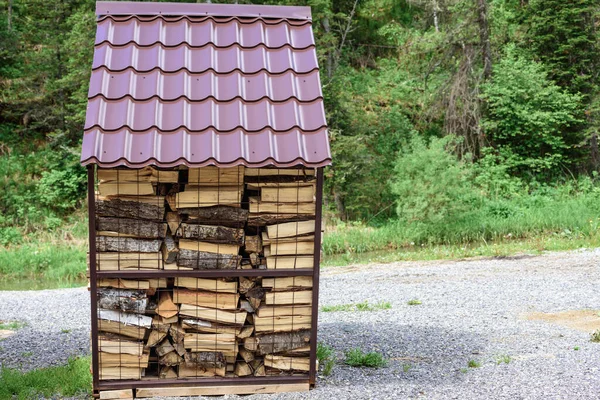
<point>458,128</point>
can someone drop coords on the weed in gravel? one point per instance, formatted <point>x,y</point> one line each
<point>406,367</point>
<point>595,337</point>
<point>362,306</point>
<point>63,381</point>
<point>464,370</point>
<point>473,364</point>
<point>11,325</point>
<point>576,348</point>
<point>503,358</point>
<point>414,302</point>
<point>358,358</point>
<point>65,331</point>
<point>326,358</point>
<point>27,354</point>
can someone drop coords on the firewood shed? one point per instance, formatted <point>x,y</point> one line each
<point>205,141</point>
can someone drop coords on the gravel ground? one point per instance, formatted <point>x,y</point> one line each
<point>471,310</point>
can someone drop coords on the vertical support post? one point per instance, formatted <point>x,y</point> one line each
<point>315,286</point>
<point>93,281</point>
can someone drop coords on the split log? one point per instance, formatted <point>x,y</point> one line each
<point>160,325</point>
<point>149,207</point>
<point>166,308</point>
<point>212,314</point>
<point>155,337</point>
<point>259,206</point>
<point>173,220</point>
<point>255,296</point>
<point>212,285</point>
<point>292,195</point>
<point>177,333</point>
<point>287,363</point>
<point>127,245</point>
<point>194,371</point>
<point>207,247</point>
<point>270,218</point>
<point>119,373</point>
<point>120,347</point>
<point>246,306</point>
<point>296,262</point>
<point>282,324</point>
<point>225,301</point>
<point>146,174</point>
<point>281,249</point>
<point>123,394</point>
<point>221,215</point>
<point>242,369</point>
<point>164,348</point>
<point>121,329</point>
<point>290,229</point>
<point>169,250</point>
<point>279,311</point>
<point>197,196</point>
<point>216,176</point>
<point>206,359</point>
<point>288,283</point>
<point>113,188</point>
<point>170,359</point>
<point>253,174</point>
<point>211,233</point>
<point>253,244</point>
<point>283,298</point>
<point>142,321</point>
<point>123,283</point>
<point>122,299</point>
<point>247,355</point>
<point>246,332</point>
<point>123,360</point>
<point>259,370</point>
<point>220,342</point>
<point>167,373</point>
<point>203,260</point>
<point>199,325</point>
<point>135,227</point>
<point>280,342</point>
<point>124,261</point>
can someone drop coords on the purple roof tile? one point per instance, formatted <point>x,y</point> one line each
<point>204,84</point>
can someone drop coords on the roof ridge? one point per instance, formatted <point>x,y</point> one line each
<point>196,19</point>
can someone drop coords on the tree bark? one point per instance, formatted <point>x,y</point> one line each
<point>206,359</point>
<point>217,215</point>
<point>134,227</point>
<point>127,245</point>
<point>203,260</point>
<point>278,342</point>
<point>123,299</point>
<point>211,233</point>
<point>129,209</point>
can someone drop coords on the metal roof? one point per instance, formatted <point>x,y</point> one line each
<point>204,84</point>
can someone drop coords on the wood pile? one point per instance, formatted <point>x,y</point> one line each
<point>199,219</point>
<point>205,218</point>
<point>197,327</point>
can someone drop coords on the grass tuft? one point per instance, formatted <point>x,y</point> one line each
<point>63,381</point>
<point>326,358</point>
<point>503,358</point>
<point>473,364</point>
<point>595,337</point>
<point>362,306</point>
<point>11,325</point>
<point>358,358</point>
<point>414,302</point>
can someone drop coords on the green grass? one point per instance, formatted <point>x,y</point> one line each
<point>414,302</point>
<point>595,336</point>
<point>326,358</point>
<point>11,325</point>
<point>473,364</point>
<point>63,381</point>
<point>503,358</point>
<point>362,306</point>
<point>358,358</point>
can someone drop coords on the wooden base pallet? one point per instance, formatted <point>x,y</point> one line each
<point>220,390</point>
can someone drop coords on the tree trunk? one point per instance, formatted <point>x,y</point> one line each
<point>484,35</point>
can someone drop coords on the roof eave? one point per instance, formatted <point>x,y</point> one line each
<point>202,9</point>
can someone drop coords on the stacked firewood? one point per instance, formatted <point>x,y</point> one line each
<point>196,327</point>
<point>196,219</point>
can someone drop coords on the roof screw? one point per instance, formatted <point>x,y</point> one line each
<point>192,153</point>
<point>140,152</point>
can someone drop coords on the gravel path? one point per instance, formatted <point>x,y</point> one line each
<point>471,310</point>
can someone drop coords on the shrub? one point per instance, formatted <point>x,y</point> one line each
<point>358,358</point>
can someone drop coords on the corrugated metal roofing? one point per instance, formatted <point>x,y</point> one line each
<point>204,84</point>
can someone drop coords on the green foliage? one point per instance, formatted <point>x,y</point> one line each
<point>362,306</point>
<point>11,325</point>
<point>527,115</point>
<point>595,336</point>
<point>326,357</point>
<point>563,36</point>
<point>358,358</point>
<point>63,381</point>
<point>431,185</point>
<point>503,358</point>
<point>414,302</point>
<point>473,364</point>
